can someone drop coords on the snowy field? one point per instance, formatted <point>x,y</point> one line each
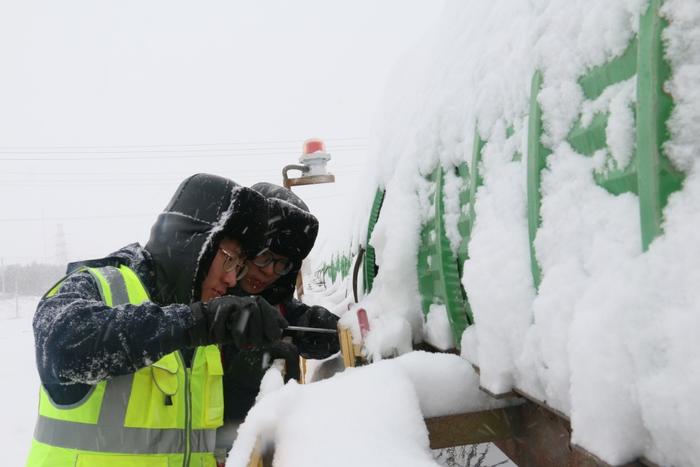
<point>20,381</point>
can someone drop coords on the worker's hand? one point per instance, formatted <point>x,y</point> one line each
<point>239,320</point>
<point>315,344</point>
<point>290,354</point>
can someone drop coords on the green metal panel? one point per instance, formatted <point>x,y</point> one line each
<point>657,178</point>
<point>426,257</point>
<point>510,132</point>
<point>589,139</point>
<point>536,161</point>
<point>370,267</point>
<point>617,70</point>
<point>618,181</point>
<point>464,223</point>
<point>438,268</point>
<point>345,263</point>
<point>445,264</point>
<point>649,175</point>
<point>332,273</point>
<point>475,180</point>
<point>425,272</point>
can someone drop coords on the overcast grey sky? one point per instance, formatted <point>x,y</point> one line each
<point>106,105</point>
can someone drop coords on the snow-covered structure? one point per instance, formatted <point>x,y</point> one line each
<point>534,201</point>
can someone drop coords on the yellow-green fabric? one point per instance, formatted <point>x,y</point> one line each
<point>163,415</point>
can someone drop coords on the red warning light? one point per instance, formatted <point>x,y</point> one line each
<point>313,145</point>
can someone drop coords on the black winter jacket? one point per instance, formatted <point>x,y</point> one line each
<point>81,341</point>
<point>292,233</point>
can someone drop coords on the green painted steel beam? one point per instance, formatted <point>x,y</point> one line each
<point>656,177</point>
<point>475,179</point>
<point>448,279</point>
<point>439,276</point>
<point>536,161</point>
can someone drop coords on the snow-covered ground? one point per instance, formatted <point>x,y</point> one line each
<point>20,381</point>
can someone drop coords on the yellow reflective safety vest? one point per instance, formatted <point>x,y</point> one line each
<point>163,415</point>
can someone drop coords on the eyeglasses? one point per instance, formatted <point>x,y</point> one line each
<point>280,266</point>
<point>234,263</point>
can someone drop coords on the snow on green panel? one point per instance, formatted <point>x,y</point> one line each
<point>657,178</point>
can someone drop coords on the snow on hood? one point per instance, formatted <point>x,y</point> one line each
<point>204,209</point>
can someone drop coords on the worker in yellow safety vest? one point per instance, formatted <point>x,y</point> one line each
<point>127,345</point>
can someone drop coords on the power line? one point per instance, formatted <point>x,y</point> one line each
<point>144,156</point>
<point>75,176</point>
<point>231,143</point>
<point>76,218</point>
<point>57,182</point>
<point>172,149</point>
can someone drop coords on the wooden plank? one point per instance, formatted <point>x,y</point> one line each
<point>542,436</point>
<point>346,347</point>
<point>302,370</point>
<point>470,428</point>
<point>543,439</point>
<point>256,459</point>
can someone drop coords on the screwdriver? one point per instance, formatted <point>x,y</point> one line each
<point>305,329</point>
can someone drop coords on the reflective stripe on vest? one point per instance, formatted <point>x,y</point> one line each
<point>148,412</point>
<point>131,440</point>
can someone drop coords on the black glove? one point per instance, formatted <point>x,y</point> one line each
<point>315,344</point>
<point>239,320</point>
<point>290,354</point>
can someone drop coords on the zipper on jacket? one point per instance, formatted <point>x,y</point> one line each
<point>188,411</point>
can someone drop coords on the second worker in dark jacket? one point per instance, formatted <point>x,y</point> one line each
<point>272,274</point>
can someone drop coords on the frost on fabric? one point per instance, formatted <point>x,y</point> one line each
<point>399,392</point>
<point>182,214</point>
<point>218,226</point>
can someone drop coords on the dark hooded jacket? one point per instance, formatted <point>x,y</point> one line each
<point>81,341</point>
<point>292,232</point>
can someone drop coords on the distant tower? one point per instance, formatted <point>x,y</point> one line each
<point>61,252</point>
